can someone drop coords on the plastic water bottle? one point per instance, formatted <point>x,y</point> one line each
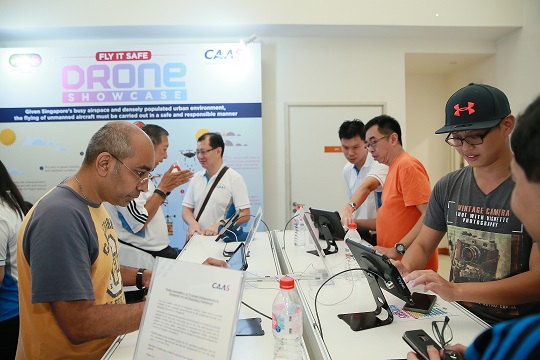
<point>287,322</point>
<point>299,227</point>
<point>350,262</point>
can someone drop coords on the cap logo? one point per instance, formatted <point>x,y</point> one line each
<point>469,108</point>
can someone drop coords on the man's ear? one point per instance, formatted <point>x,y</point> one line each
<point>104,163</point>
<point>507,124</point>
<point>394,138</point>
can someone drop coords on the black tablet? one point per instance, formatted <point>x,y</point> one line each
<point>388,277</point>
<point>228,225</point>
<point>238,260</point>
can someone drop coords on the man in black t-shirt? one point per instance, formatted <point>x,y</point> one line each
<point>492,269</point>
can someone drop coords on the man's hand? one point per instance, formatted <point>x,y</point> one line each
<point>347,216</point>
<point>215,262</point>
<point>171,180</point>
<point>211,229</point>
<point>435,354</point>
<point>390,252</point>
<point>433,282</point>
<point>193,229</point>
<point>432,351</point>
<point>403,271</point>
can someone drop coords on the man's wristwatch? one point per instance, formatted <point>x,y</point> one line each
<point>400,248</point>
<point>161,193</point>
<point>353,205</point>
<point>138,279</point>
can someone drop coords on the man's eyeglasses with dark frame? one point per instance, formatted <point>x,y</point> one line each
<point>141,180</point>
<point>373,144</point>
<point>204,152</point>
<point>457,141</point>
<point>443,335</point>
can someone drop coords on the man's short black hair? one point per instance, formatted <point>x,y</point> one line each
<point>387,126</point>
<point>215,140</point>
<point>155,133</point>
<point>525,141</point>
<point>350,129</point>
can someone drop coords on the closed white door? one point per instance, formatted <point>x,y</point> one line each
<point>315,171</point>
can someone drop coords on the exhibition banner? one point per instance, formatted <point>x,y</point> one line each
<point>52,100</point>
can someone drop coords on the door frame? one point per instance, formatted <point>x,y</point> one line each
<point>287,126</point>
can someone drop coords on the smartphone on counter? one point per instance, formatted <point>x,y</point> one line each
<point>423,303</point>
<point>419,340</point>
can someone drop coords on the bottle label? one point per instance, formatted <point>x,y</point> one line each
<point>287,319</point>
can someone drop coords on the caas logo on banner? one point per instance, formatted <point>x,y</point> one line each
<point>223,54</point>
<point>124,81</point>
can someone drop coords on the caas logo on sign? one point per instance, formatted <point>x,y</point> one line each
<point>223,287</point>
<point>223,54</point>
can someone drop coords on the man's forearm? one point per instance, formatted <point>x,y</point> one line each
<point>82,321</point>
<point>129,276</point>
<point>188,217</point>
<point>518,289</point>
<point>417,255</point>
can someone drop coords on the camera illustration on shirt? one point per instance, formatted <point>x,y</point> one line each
<point>475,259</point>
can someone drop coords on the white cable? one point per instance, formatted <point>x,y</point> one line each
<point>235,237</point>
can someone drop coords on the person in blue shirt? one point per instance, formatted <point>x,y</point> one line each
<point>519,338</point>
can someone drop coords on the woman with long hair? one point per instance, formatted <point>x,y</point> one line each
<point>12,210</point>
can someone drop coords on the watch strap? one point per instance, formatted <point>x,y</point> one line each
<point>161,193</point>
<point>138,279</point>
<point>400,248</point>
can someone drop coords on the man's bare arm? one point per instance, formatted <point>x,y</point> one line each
<point>360,195</point>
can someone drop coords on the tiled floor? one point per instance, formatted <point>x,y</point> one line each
<point>444,266</point>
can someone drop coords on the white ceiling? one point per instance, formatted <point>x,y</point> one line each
<point>440,64</point>
<point>428,64</point>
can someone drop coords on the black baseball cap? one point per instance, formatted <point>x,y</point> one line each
<point>474,107</point>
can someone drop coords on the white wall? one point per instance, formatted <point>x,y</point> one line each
<point>426,98</point>
<point>347,70</point>
<point>518,59</point>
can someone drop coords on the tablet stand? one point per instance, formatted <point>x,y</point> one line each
<point>368,320</point>
<point>330,242</point>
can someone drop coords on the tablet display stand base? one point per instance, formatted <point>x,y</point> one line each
<point>326,252</point>
<point>325,234</point>
<point>317,277</point>
<point>368,320</point>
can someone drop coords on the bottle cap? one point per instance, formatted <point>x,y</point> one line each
<point>286,283</point>
<point>352,226</point>
<point>176,167</point>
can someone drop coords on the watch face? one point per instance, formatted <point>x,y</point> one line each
<point>400,248</point>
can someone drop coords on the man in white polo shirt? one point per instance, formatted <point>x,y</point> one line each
<point>364,177</point>
<point>227,188</point>
<point>141,224</point>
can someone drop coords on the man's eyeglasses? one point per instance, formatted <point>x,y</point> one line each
<point>442,332</point>
<point>138,174</point>
<point>373,144</point>
<point>204,152</point>
<point>471,140</point>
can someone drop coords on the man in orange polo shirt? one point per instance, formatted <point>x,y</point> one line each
<point>405,193</point>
